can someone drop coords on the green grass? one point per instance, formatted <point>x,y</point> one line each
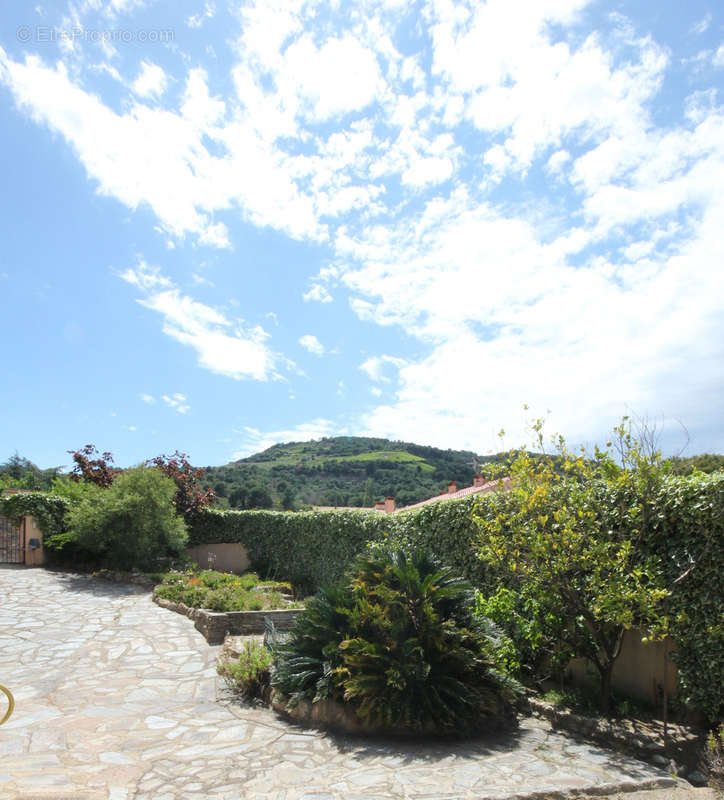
<point>395,456</point>
<point>222,591</point>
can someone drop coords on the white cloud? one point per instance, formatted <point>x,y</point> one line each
<point>718,58</point>
<point>151,81</point>
<point>317,293</point>
<point>149,399</point>
<point>177,402</point>
<point>223,346</point>
<point>312,344</point>
<point>701,26</point>
<point>340,76</point>
<point>254,441</point>
<point>375,367</point>
<point>427,171</point>
<point>197,20</point>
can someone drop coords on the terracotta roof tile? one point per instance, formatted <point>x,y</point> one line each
<point>490,486</point>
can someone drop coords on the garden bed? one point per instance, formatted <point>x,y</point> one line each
<point>222,603</point>
<point>216,625</point>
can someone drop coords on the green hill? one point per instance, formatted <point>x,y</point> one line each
<point>341,471</point>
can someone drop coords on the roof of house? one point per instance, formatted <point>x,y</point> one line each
<point>488,486</point>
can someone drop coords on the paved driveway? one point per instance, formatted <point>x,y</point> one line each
<point>118,698</point>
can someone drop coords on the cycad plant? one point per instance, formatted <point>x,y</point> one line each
<point>399,641</point>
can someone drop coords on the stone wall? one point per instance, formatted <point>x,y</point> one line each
<point>215,625</point>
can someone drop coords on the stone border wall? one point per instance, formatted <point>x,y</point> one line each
<point>215,625</point>
<point>686,744</point>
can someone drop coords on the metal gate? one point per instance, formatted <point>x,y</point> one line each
<point>11,547</point>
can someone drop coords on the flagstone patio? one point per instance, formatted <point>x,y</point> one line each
<point>119,699</point>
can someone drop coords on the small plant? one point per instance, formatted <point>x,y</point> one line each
<point>579,701</point>
<point>249,674</point>
<point>715,756</point>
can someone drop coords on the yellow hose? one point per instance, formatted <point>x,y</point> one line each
<point>11,703</point>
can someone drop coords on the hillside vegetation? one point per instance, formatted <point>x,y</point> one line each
<point>341,471</point>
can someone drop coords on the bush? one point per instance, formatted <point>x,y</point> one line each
<point>131,524</point>
<point>249,674</point>
<point>399,640</point>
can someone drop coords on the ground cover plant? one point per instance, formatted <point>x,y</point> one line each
<point>222,591</point>
<point>399,641</point>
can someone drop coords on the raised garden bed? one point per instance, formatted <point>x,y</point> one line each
<point>216,625</point>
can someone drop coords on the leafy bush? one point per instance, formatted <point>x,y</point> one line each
<point>398,639</point>
<point>131,524</point>
<point>220,591</point>
<point>249,674</point>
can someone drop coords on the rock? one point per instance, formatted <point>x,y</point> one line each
<point>660,760</point>
<point>696,778</point>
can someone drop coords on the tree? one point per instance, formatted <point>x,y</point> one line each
<point>237,498</point>
<point>93,470</point>
<point>258,497</point>
<point>190,495</point>
<point>132,523</point>
<point>570,535</point>
<point>289,499</point>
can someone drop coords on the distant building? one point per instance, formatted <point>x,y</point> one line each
<point>480,486</point>
<point>387,506</point>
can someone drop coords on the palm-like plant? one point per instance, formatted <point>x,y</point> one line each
<point>400,642</point>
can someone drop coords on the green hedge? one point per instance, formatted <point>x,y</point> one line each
<point>688,536</point>
<point>48,510</point>
<point>308,548</point>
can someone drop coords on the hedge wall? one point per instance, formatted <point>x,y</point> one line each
<point>688,537</point>
<point>308,548</point>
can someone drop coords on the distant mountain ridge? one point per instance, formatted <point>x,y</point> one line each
<point>342,471</point>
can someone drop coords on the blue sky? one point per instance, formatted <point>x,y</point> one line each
<point>227,224</point>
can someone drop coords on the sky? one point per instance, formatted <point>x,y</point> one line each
<point>230,224</point>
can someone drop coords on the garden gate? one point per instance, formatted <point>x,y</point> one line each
<point>11,549</point>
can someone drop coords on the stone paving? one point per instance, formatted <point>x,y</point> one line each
<point>118,699</point>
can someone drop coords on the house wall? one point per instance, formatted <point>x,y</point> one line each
<point>226,557</point>
<point>34,557</point>
<point>639,671</point>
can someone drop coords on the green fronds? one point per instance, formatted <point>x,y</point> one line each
<point>399,640</point>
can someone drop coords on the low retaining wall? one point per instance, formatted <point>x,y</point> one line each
<point>215,625</point>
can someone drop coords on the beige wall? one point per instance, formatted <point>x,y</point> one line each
<point>226,557</point>
<point>639,669</point>
<point>29,530</point>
